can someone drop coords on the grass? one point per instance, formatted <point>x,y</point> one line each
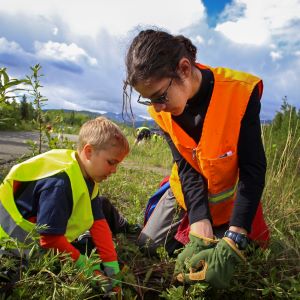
<point>129,189</point>
<point>270,274</point>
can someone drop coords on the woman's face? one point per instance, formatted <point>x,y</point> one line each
<point>176,92</point>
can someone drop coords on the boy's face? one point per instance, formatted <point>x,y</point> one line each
<point>100,164</point>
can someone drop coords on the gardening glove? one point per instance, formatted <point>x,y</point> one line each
<point>112,270</point>
<point>91,268</point>
<point>215,266</point>
<point>87,265</point>
<point>196,244</point>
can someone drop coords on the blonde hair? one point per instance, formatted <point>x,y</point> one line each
<point>102,134</point>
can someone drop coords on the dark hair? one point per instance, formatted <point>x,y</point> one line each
<point>155,54</point>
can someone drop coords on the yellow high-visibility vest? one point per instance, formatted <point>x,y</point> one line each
<point>42,166</point>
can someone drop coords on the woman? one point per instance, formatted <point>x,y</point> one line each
<point>210,117</point>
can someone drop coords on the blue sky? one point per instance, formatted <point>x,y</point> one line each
<point>81,44</point>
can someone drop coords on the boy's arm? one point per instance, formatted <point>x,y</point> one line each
<point>60,243</point>
<point>102,238</point>
<point>101,233</point>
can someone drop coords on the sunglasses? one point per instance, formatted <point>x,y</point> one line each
<point>162,99</point>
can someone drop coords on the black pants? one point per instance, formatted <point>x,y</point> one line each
<point>116,222</point>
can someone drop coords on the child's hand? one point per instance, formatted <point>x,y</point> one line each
<point>99,279</point>
<point>87,265</point>
<point>111,269</point>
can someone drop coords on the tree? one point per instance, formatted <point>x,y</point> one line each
<point>9,86</point>
<point>38,100</point>
<point>287,117</point>
<point>72,118</point>
<point>24,108</point>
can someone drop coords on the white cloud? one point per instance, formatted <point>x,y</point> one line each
<point>55,30</point>
<point>9,46</point>
<point>245,32</point>
<point>255,21</point>
<point>275,55</point>
<point>61,51</point>
<point>145,117</point>
<point>117,16</point>
<point>198,40</point>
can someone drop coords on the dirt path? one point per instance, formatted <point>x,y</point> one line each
<point>13,143</point>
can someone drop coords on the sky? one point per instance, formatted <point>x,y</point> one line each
<point>81,45</point>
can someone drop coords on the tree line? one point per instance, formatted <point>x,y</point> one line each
<point>21,106</point>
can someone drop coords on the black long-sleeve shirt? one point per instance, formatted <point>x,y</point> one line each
<point>251,158</point>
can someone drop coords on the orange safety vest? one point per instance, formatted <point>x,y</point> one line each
<point>215,157</point>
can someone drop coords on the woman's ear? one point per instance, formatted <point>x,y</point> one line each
<point>184,69</point>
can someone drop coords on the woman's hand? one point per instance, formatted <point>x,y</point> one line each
<point>203,228</point>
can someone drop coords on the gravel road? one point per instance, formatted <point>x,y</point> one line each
<point>13,143</point>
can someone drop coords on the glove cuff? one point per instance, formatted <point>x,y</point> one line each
<point>114,265</point>
<point>234,248</point>
<point>112,270</point>
<point>87,265</point>
<point>206,241</point>
<point>81,262</point>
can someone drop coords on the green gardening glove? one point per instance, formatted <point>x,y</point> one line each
<point>215,266</point>
<point>91,268</point>
<point>112,270</point>
<point>196,244</point>
<point>87,265</point>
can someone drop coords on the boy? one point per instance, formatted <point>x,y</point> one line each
<point>59,189</point>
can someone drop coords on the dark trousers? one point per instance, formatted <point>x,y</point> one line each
<point>116,222</point>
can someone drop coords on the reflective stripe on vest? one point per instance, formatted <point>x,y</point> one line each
<point>223,196</point>
<point>11,228</point>
<point>215,156</point>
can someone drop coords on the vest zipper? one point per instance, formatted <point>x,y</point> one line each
<point>194,153</point>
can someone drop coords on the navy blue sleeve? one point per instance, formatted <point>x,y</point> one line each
<point>55,203</point>
<point>97,209</point>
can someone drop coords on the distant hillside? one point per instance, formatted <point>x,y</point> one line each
<point>117,117</point>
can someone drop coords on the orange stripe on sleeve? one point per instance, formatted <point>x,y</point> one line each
<point>60,243</point>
